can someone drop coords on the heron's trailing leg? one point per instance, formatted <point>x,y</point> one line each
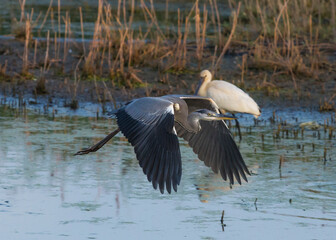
<point>97,146</point>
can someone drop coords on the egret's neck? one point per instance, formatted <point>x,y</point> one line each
<point>204,87</point>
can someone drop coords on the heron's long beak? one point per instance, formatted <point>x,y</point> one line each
<point>199,85</point>
<point>224,117</point>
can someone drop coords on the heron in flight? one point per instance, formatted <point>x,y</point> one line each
<point>227,96</point>
<point>153,124</point>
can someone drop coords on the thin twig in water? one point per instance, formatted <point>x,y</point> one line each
<point>222,221</point>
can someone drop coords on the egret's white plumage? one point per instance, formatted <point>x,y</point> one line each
<point>227,96</point>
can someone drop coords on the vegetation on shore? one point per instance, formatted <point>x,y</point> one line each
<point>273,43</point>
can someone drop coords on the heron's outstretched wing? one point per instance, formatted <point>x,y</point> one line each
<point>195,102</point>
<point>214,143</point>
<point>215,146</point>
<point>148,124</point>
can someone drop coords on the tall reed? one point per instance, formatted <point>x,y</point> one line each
<point>28,24</point>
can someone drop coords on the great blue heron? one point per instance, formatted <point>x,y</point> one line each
<point>152,125</point>
<point>227,96</point>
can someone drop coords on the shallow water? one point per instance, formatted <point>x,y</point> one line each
<point>47,193</point>
<point>11,10</point>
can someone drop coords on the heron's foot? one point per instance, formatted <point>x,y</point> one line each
<point>98,145</point>
<point>84,151</point>
<point>240,138</point>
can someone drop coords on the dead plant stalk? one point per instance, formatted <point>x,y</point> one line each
<point>227,44</point>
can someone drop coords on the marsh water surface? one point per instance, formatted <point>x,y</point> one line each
<point>47,193</point>
<point>166,13</point>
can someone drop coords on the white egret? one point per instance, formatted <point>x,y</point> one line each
<point>227,96</point>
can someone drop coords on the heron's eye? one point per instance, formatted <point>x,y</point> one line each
<point>209,114</point>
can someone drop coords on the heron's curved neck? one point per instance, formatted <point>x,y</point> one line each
<point>190,125</point>
<point>189,122</point>
<point>193,123</point>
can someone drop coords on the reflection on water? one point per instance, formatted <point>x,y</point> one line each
<point>47,193</point>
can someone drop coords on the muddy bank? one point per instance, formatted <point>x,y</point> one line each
<point>100,52</point>
<point>67,81</point>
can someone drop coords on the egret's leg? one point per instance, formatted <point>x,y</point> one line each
<point>98,145</point>
<point>238,126</point>
<point>228,122</point>
<point>222,111</point>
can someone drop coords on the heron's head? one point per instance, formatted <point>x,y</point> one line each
<point>205,77</point>
<point>207,115</point>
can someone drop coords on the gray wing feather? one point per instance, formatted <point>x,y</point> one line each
<point>214,143</point>
<point>148,125</point>
<point>215,146</point>
<point>196,102</point>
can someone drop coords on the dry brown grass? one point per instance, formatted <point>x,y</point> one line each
<point>3,72</point>
<point>40,86</point>
<point>227,44</point>
<point>290,43</point>
<point>284,37</point>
